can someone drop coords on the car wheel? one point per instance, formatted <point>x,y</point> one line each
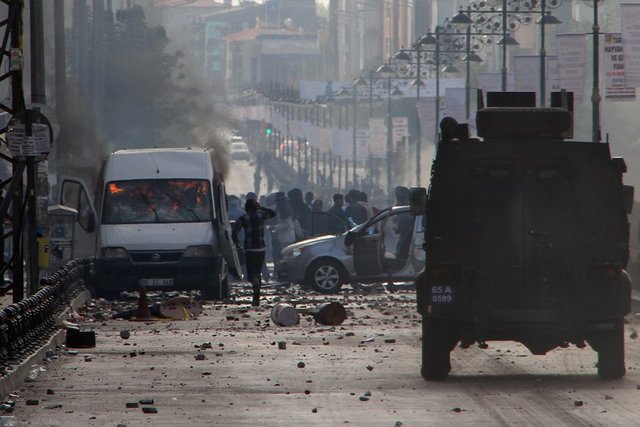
<point>325,276</point>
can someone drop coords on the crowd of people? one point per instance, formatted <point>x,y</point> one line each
<point>269,223</point>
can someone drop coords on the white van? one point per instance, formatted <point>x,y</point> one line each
<point>162,222</point>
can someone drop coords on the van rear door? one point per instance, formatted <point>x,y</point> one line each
<point>223,229</point>
<point>73,193</point>
<point>522,231</point>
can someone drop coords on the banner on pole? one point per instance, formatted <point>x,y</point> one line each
<point>616,88</point>
<point>362,144</point>
<point>571,53</point>
<point>399,130</point>
<point>630,30</point>
<point>378,137</point>
<point>427,117</point>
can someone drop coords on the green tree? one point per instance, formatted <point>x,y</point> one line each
<point>144,98</point>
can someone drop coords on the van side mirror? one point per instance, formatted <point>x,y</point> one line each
<point>418,201</point>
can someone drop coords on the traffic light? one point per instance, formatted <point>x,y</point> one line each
<point>268,131</point>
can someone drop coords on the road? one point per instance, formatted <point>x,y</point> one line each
<point>240,178</point>
<point>245,380</point>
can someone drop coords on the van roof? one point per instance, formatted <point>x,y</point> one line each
<point>162,163</point>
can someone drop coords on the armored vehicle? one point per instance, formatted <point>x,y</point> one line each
<point>526,240</point>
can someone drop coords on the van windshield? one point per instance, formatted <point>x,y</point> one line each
<point>157,200</point>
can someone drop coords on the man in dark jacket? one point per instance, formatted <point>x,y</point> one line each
<point>301,211</point>
<point>336,225</point>
<point>355,212</point>
<point>254,247</point>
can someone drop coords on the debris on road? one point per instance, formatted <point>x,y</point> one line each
<point>284,315</point>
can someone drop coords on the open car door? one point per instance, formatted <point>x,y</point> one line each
<point>73,193</point>
<point>222,227</point>
<point>368,247</point>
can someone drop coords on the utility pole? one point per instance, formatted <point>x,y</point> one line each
<point>14,195</point>
<point>61,56</point>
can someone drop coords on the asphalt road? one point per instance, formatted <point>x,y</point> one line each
<point>364,372</point>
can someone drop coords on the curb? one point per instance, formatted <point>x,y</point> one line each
<point>16,377</point>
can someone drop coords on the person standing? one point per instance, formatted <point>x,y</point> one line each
<point>339,224</point>
<point>254,247</point>
<point>284,227</point>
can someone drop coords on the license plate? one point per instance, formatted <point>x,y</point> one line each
<point>442,295</point>
<point>155,282</point>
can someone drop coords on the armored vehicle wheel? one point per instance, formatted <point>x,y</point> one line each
<point>610,348</point>
<point>435,349</point>
<point>325,276</point>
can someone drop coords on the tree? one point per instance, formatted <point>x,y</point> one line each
<point>144,100</point>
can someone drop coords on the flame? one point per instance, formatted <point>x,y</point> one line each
<point>114,189</point>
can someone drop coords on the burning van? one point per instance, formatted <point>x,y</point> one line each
<point>161,222</point>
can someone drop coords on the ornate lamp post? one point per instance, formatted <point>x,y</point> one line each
<point>387,71</point>
<point>487,19</point>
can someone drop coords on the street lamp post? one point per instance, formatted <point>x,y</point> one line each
<point>595,93</point>
<point>520,7</point>
<point>389,136</point>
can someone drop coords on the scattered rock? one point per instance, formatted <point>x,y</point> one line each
<point>32,402</point>
<point>282,345</point>
<point>200,356</point>
<point>578,403</point>
<point>370,368</point>
<point>131,404</point>
<point>301,365</point>
<point>363,398</point>
<point>50,391</point>
<point>607,397</point>
<point>390,341</point>
<point>149,410</point>
<point>314,410</point>
<point>456,409</point>
<point>58,406</point>
<point>125,334</point>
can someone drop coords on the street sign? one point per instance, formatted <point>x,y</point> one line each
<point>29,139</point>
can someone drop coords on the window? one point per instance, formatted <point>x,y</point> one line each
<point>157,201</point>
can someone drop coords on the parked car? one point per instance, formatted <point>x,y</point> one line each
<point>386,248</point>
<point>239,150</point>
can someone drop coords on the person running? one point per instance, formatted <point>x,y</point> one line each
<point>254,247</point>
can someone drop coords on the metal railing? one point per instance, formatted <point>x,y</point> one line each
<point>27,325</point>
